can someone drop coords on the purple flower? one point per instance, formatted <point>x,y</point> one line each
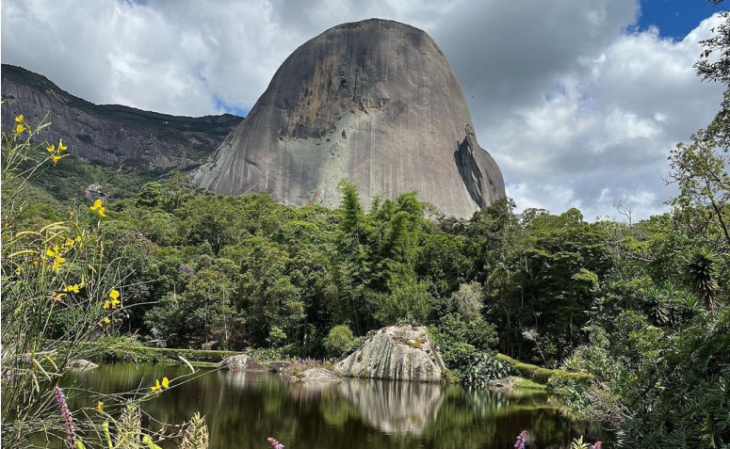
<point>598,445</point>
<point>521,440</point>
<point>66,414</point>
<point>275,444</point>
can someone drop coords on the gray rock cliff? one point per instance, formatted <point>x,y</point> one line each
<point>373,101</point>
<point>111,134</point>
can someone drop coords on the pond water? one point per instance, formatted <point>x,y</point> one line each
<point>244,409</point>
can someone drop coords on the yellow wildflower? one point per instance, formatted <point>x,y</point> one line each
<point>57,262</point>
<point>107,304</point>
<point>72,288</point>
<point>55,159</point>
<point>50,253</point>
<point>82,284</point>
<point>114,294</point>
<point>60,296</point>
<point>78,238</point>
<point>102,211</point>
<point>61,146</point>
<point>97,204</point>
<point>18,270</point>
<point>19,129</point>
<point>50,148</point>
<point>19,119</point>
<point>157,386</point>
<point>106,320</point>
<point>165,383</point>
<point>69,243</point>
<point>100,406</point>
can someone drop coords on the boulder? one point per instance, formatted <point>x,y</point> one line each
<point>82,365</point>
<point>317,375</point>
<point>395,352</point>
<point>241,362</point>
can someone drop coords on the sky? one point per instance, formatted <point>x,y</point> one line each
<point>579,101</point>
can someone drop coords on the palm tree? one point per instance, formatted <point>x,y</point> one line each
<point>701,266</point>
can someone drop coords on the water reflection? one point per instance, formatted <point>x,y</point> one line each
<point>394,407</point>
<point>243,409</point>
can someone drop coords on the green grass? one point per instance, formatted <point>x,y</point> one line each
<point>529,384</point>
<point>539,374</point>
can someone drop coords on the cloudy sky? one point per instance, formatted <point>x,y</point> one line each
<point>579,101</point>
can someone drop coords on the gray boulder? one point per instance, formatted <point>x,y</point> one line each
<point>317,375</point>
<point>82,365</point>
<point>395,352</point>
<point>241,362</point>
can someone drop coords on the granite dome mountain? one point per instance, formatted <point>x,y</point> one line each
<point>375,102</point>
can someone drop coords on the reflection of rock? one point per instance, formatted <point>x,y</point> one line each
<point>394,407</point>
<point>241,362</point>
<point>395,352</point>
<point>247,379</point>
<point>82,365</point>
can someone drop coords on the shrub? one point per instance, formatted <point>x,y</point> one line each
<point>339,341</point>
<point>483,367</point>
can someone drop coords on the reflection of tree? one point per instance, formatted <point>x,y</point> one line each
<point>394,407</point>
<point>336,411</point>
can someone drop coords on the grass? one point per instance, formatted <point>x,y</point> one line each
<point>539,374</point>
<point>529,384</point>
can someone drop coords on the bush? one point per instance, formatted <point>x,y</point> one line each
<point>483,367</point>
<point>339,341</point>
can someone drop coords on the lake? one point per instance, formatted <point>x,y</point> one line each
<point>244,409</point>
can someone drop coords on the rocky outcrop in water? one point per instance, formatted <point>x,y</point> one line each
<point>395,352</point>
<point>241,362</point>
<point>375,102</point>
<point>111,134</point>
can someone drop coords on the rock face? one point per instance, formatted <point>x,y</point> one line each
<point>241,362</point>
<point>317,375</point>
<point>375,102</point>
<point>111,134</point>
<point>395,352</point>
<point>82,365</point>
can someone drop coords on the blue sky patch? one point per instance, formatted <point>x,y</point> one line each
<point>676,18</point>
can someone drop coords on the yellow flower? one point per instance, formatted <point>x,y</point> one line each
<point>165,383</point>
<point>72,288</point>
<point>102,211</point>
<point>19,129</point>
<point>115,303</point>
<point>157,386</point>
<point>18,270</point>
<point>100,406</point>
<point>82,284</point>
<point>61,146</point>
<point>60,296</point>
<point>50,148</point>
<point>19,119</point>
<point>106,320</point>
<point>107,304</point>
<point>57,262</point>
<point>55,159</point>
<point>114,294</point>
<point>97,204</point>
<point>78,238</point>
<point>56,248</point>
<point>69,243</point>
<point>49,252</point>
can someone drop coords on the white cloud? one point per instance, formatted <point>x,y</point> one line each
<point>578,110</point>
